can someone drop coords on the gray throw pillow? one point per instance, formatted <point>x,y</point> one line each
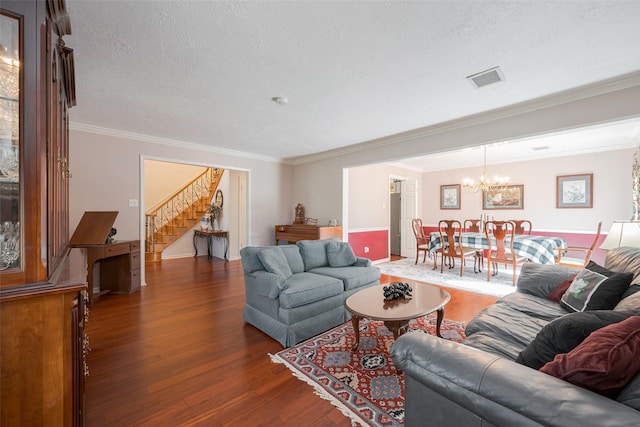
<point>340,254</point>
<point>275,261</point>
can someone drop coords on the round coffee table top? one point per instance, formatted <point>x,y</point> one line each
<point>370,303</point>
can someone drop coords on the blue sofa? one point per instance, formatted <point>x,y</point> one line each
<point>294,292</point>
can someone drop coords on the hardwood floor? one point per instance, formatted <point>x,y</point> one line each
<point>179,353</point>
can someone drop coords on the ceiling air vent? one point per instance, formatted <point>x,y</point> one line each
<point>487,77</point>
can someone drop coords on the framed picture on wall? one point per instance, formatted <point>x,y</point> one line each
<point>511,197</point>
<point>450,196</point>
<point>574,191</point>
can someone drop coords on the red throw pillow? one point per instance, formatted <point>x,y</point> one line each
<point>604,362</point>
<point>558,291</point>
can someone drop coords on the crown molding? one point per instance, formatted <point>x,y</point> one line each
<point>170,142</point>
<point>579,93</point>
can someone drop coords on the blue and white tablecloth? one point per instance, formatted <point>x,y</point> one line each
<point>540,249</point>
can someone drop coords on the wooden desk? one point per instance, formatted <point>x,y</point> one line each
<point>210,236</point>
<point>119,268</point>
<point>295,232</point>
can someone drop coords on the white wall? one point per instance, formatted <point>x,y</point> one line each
<point>165,178</point>
<point>369,194</point>
<point>565,111</point>
<point>106,173</point>
<point>611,192</point>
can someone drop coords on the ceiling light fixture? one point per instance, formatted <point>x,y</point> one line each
<point>496,184</point>
<point>280,100</point>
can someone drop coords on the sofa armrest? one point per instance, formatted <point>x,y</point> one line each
<point>267,284</point>
<point>498,390</point>
<point>362,262</point>
<point>541,279</point>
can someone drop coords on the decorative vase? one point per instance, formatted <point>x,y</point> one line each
<point>204,224</point>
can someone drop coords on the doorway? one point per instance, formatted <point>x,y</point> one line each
<point>395,217</point>
<point>234,185</point>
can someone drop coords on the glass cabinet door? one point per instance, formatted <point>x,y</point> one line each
<point>10,91</point>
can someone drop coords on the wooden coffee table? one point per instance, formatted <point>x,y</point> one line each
<point>396,314</point>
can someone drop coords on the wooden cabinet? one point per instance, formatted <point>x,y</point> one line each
<point>42,293</point>
<point>295,232</point>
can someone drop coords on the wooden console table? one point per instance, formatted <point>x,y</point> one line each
<point>295,232</point>
<point>210,236</point>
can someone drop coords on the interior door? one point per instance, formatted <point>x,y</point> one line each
<point>408,211</point>
<point>395,230</point>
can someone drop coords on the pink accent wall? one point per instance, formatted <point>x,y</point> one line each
<point>377,242</point>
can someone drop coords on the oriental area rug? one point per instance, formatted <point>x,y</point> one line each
<point>499,285</point>
<point>363,384</point>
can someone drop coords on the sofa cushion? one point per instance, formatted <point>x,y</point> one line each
<point>492,343</point>
<point>292,252</point>
<point>509,326</point>
<point>556,294</point>
<point>250,261</point>
<point>604,362</point>
<point>305,288</point>
<point>352,277</point>
<point>624,259</point>
<point>564,334</point>
<point>595,288</point>
<point>314,252</point>
<point>540,308</point>
<point>541,279</point>
<point>274,261</point>
<point>340,254</point>
<point>631,302</point>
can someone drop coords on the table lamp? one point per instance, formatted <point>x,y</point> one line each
<point>622,233</point>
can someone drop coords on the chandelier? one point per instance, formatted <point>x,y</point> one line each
<point>498,183</point>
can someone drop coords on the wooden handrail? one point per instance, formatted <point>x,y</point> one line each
<point>182,204</point>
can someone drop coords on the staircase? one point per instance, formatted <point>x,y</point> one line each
<point>179,212</point>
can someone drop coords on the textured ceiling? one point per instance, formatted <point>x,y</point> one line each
<point>204,72</point>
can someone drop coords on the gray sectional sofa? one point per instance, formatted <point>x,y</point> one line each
<point>492,377</point>
<point>294,292</point>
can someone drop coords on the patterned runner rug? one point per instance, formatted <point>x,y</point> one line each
<point>499,285</point>
<point>363,384</point>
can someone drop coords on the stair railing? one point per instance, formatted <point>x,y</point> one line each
<point>180,206</point>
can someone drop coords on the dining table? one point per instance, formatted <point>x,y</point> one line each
<point>539,249</point>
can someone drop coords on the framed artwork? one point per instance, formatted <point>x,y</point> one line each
<point>511,197</point>
<point>450,196</point>
<point>574,191</point>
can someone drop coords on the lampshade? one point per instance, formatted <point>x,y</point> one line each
<point>622,233</point>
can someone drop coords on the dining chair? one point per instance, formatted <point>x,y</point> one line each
<point>582,255</point>
<point>475,226</point>
<point>452,228</point>
<point>499,251</point>
<point>422,241</point>
<point>522,226</point>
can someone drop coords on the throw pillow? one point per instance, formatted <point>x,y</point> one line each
<point>564,334</point>
<point>595,288</point>
<point>605,361</point>
<point>557,292</point>
<point>340,254</point>
<point>275,261</point>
